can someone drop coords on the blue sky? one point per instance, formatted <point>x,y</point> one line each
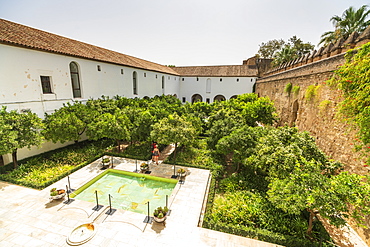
<point>180,32</point>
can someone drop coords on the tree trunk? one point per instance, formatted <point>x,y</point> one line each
<point>174,154</point>
<point>310,223</point>
<point>119,146</point>
<point>15,161</point>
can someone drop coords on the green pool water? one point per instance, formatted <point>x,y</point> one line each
<point>129,191</point>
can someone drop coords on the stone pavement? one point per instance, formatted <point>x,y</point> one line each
<point>29,218</point>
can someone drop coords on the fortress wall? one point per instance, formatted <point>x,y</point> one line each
<point>317,115</point>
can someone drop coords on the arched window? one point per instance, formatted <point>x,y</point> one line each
<point>134,81</point>
<point>219,98</point>
<point>208,85</point>
<point>196,98</point>
<point>75,79</point>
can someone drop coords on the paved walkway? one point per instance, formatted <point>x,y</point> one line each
<point>29,218</point>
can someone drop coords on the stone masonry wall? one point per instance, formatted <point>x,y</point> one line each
<point>317,115</point>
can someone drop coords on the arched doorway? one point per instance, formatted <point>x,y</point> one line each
<point>294,112</point>
<point>234,97</point>
<point>219,98</point>
<point>196,98</point>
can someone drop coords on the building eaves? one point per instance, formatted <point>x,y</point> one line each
<point>23,36</point>
<point>217,71</point>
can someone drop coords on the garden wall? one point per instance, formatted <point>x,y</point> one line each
<point>316,113</point>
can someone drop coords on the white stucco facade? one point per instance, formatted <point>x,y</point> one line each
<point>21,70</point>
<point>36,74</point>
<point>21,89</point>
<point>210,87</point>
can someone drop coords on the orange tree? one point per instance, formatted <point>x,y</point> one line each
<point>18,130</point>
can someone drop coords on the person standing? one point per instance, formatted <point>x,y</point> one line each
<point>156,155</point>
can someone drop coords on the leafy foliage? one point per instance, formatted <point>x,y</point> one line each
<point>282,51</point>
<point>268,49</point>
<point>312,91</point>
<point>18,130</point>
<point>113,126</point>
<point>353,79</point>
<point>174,129</point>
<point>246,109</point>
<point>299,175</point>
<point>296,90</point>
<point>288,88</point>
<point>67,123</point>
<point>250,209</point>
<point>40,171</point>
<point>352,20</point>
<point>324,106</point>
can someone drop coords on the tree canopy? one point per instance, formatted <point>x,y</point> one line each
<point>18,130</point>
<point>67,123</point>
<point>112,126</point>
<point>175,129</point>
<point>284,51</point>
<point>352,20</point>
<point>299,175</point>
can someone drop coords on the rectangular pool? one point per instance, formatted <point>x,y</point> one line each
<point>129,191</point>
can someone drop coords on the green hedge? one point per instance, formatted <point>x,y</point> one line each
<point>6,168</point>
<point>51,181</point>
<point>264,235</point>
<point>65,160</point>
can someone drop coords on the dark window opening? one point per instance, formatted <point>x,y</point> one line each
<point>134,81</point>
<point>46,85</point>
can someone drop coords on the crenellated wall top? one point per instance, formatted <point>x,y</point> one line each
<point>330,50</point>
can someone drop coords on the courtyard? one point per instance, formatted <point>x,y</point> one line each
<point>29,218</point>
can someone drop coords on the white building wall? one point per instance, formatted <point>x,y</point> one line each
<point>227,87</point>
<point>20,71</point>
<point>20,84</point>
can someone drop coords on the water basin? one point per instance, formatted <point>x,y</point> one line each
<point>129,191</point>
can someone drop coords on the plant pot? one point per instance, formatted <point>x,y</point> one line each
<point>61,194</point>
<point>142,169</point>
<point>181,175</point>
<point>159,220</point>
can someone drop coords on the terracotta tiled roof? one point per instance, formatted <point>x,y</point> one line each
<point>19,35</point>
<point>219,71</point>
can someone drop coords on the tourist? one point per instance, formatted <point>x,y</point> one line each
<point>155,155</point>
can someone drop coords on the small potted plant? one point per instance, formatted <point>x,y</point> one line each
<point>181,172</point>
<point>57,194</point>
<point>105,161</point>
<point>160,214</point>
<point>144,167</point>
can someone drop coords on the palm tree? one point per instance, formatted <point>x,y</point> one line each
<point>286,54</point>
<point>352,20</point>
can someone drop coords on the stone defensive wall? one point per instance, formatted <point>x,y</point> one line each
<point>317,113</point>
